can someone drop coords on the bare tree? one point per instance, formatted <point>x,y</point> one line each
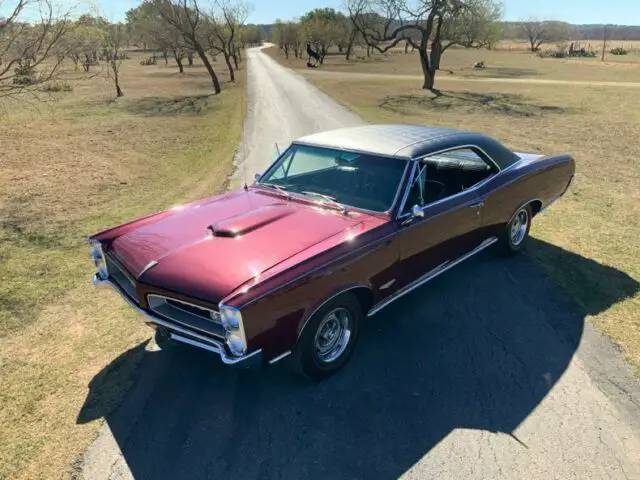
<point>223,26</point>
<point>324,27</point>
<point>82,44</point>
<point>287,36</point>
<point>535,32</point>
<point>475,27</point>
<point>115,41</point>
<point>28,50</point>
<point>149,27</point>
<point>538,32</point>
<point>186,17</point>
<point>385,23</point>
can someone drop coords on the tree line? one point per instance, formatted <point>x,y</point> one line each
<point>31,52</point>
<point>429,26</point>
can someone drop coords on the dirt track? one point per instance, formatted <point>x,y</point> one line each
<point>487,372</point>
<point>452,78</point>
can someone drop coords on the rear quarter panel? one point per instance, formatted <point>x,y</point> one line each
<point>543,180</point>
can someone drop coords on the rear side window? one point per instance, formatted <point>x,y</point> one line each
<point>446,174</point>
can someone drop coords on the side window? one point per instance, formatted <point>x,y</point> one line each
<point>445,174</point>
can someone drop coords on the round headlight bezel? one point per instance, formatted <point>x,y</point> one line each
<point>231,319</point>
<point>99,260</point>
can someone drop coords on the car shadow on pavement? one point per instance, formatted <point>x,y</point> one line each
<point>478,348</point>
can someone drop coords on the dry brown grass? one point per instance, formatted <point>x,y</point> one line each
<point>594,44</point>
<point>81,163</point>
<point>599,219</point>
<point>500,64</point>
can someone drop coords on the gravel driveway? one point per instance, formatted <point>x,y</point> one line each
<point>486,372</point>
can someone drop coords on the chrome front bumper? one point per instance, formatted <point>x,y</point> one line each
<point>182,335</point>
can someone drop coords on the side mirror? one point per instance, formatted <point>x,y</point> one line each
<point>256,177</point>
<point>417,212</point>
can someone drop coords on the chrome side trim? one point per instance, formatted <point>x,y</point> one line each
<point>430,276</point>
<point>337,294</point>
<point>280,357</point>
<point>387,285</point>
<point>544,208</point>
<point>206,343</point>
<point>149,265</point>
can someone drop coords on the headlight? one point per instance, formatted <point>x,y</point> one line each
<point>98,259</point>
<point>234,330</point>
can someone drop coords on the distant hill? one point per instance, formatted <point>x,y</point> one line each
<point>588,32</point>
<point>583,32</point>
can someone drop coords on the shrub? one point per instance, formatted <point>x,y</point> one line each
<point>57,87</point>
<point>25,74</point>
<point>618,51</point>
<point>148,61</point>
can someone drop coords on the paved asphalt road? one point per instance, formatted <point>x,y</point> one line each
<point>486,372</point>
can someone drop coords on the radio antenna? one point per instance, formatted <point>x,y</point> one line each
<point>246,187</point>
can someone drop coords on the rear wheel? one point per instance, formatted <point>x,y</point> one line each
<point>328,338</point>
<point>517,230</point>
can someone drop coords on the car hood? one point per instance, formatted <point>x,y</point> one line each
<point>209,248</point>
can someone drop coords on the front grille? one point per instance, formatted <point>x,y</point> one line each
<point>187,314</point>
<point>122,278</point>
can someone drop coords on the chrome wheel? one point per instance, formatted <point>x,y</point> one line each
<point>519,227</point>
<point>333,334</point>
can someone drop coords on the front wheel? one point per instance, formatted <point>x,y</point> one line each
<point>517,230</point>
<point>328,338</point>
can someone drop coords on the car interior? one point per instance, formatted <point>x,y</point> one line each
<point>446,174</point>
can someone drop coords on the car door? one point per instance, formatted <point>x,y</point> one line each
<point>448,230</point>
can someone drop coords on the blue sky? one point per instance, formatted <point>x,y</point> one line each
<point>625,12</point>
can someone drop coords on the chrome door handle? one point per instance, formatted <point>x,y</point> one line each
<point>477,205</point>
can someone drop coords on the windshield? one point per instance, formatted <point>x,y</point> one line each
<point>357,180</point>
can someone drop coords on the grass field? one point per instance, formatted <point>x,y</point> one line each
<point>598,219</point>
<point>499,63</point>
<point>79,163</point>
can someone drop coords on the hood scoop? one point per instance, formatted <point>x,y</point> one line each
<point>249,221</point>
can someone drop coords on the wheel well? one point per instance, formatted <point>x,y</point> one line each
<point>364,296</point>
<point>536,206</point>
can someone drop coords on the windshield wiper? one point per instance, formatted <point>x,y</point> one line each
<point>280,188</point>
<point>328,199</point>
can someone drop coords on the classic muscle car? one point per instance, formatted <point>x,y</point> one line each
<point>342,224</point>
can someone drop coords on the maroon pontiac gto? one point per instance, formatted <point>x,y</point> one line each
<point>342,224</point>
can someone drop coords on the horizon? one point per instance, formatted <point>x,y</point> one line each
<point>266,12</point>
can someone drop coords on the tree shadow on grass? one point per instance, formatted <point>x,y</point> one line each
<point>478,348</point>
<point>190,105</point>
<point>506,104</point>
<point>499,72</point>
